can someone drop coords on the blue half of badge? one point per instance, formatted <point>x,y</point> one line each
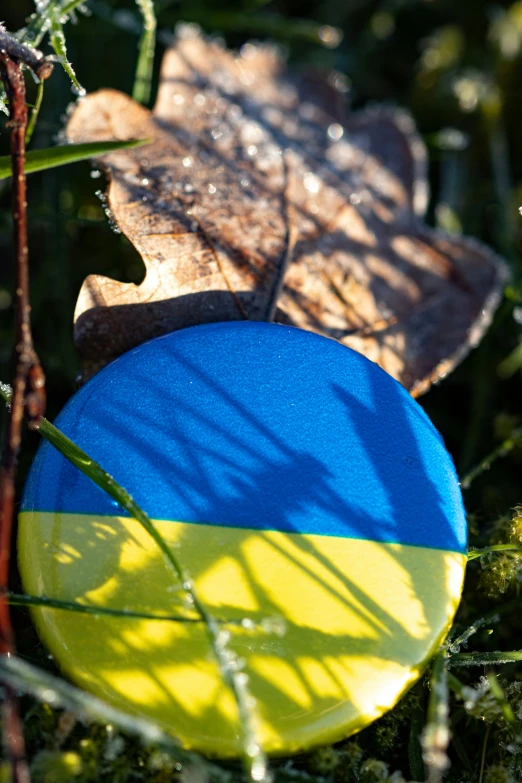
<point>308,496</point>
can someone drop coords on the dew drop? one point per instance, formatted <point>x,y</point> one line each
<point>235,112</point>
<point>355,199</point>
<point>178,99</point>
<point>311,182</point>
<point>187,30</point>
<point>95,174</point>
<point>188,188</point>
<point>223,637</point>
<point>248,51</point>
<point>275,625</point>
<point>330,36</point>
<point>251,150</point>
<point>187,162</point>
<point>258,769</point>
<point>212,189</point>
<point>49,695</point>
<point>188,602</point>
<point>339,81</point>
<point>242,681</point>
<point>199,99</point>
<point>335,131</point>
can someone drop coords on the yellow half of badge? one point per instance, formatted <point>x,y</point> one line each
<point>331,631</point>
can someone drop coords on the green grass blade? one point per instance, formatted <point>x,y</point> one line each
<point>511,364</point>
<point>501,451</point>
<point>485,658</point>
<point>34,113</point>
<point>39,23</point>
<point>414,741</point>
<point>474,553</point>
<point>17,599</point>
<point>488,618</point>
<point>71,6</point>
<point>143,78</point>
<point>436,735</point>
<point>60,48</point>
<point>500,697</point>
<point>50,158</point>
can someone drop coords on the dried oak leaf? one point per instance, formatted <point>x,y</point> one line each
<point>262,197</point>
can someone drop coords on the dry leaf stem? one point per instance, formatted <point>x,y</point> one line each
<point>29,382</point>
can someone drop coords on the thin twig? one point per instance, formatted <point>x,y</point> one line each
<point>483,756</point>
<point>28,387</point>
<point>19,53</point>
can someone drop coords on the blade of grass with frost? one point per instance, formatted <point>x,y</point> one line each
<point>52,157</point>
<point>34,113</point>
<point>46,687</point>
<point>147,45</point>
<point>254,758</point>
<point>501,451</point>
<point>436,735</point>
<point>473,554</point>
<point>415,735</point>
<point>60,48</point>
<point>511,364</point>
<point>40,22</point>
<point>21,599</point>
<point>500,698</point>
<point>490,617</point>
<point>484,658</point>
<point>17,599</point>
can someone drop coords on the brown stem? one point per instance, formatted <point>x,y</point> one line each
<point>28,388</point>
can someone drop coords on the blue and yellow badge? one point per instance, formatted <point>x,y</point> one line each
<point>310,499</point>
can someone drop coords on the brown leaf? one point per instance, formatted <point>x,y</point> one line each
<point>254,176</point>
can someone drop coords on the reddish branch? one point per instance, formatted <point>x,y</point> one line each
<point>29,381</point>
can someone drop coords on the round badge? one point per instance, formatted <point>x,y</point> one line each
<point>307,495</point>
